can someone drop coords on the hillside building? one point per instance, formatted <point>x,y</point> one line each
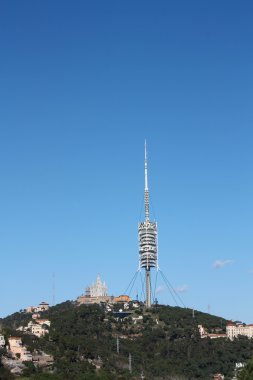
<point>17,349</point>
<point>233,330</point>
<point>15,344</point>
<point>43,306</point>
<point>86,300</point>
<point>2,341</point>
<point>38,330</point>
<point>218,376</point>
<point>122,298</point>
<point>205,334</point>
<point>41,322</point>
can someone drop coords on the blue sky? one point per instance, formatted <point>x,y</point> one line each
<point>82,85</point>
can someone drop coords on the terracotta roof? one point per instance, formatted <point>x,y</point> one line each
<point>14,337</point>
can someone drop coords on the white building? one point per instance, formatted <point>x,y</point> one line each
<point>233,330</point>
<point>98,289</point>
<point>2,341</point>
<point>38,330</point>
<point>202,331</point>
<point>205,334</point>
<point>43,322</point>
<point>43,306</point>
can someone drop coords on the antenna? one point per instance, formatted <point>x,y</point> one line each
<point>146,192</point>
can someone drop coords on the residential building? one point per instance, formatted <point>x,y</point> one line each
<point>17,349</point>
<point>43,322</point>
<point>25,355</point>
<point>204,333</point>
<point>30,309</point>
<point>42,359</point>
<point>38,330</point>
<point>15,344</point>
<point>37,327</point>
<point>2,341</point>
<point>137,318</point>
<point>36,316</point>
<point>218,376</point>
<point>43,306</point>
<point>122,298</point>
<point>234,329</point>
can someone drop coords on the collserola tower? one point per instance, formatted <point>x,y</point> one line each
<point>147,239</point>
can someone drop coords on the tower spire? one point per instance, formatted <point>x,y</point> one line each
<point>146,192</point>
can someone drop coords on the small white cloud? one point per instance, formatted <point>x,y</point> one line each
<point>221,263</point>
<point>181,289</point>
<point>251,271</point>
<point>160,289</point>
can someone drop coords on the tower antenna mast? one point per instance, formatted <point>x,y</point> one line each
<point>147,238</point>
<point>146,192</point>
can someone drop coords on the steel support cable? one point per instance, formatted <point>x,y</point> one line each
<point>169,284</point>
<point>178,296</point>
<point>154,297</point>
<point>131,282</point>
<point>151,290</point>
<point>169,288</point>
<point>142,286</point>
<point>130,291</point>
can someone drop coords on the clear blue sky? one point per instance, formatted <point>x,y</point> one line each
<point>82,84</point>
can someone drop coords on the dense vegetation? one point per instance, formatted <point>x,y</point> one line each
<point>165,345</point>
<point>247,372</point>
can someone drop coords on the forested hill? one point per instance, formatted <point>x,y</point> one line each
<point>165,344</point>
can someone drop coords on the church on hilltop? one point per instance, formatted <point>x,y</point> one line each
<point>95,293</point>
<point>98,288</point>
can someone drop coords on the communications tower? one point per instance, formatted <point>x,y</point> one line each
<point>147,239</point>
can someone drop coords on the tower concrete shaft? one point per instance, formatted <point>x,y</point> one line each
<point>148,288</point>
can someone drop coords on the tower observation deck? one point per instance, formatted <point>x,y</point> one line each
<point>147,239</point>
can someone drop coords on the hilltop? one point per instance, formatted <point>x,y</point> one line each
<point>164,343</point>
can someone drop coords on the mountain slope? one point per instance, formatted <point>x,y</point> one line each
<point>164,343</point>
